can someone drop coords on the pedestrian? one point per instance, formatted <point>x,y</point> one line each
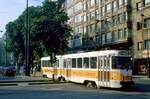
<point>34,69</point>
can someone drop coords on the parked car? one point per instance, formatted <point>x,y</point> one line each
<point>9,71</point>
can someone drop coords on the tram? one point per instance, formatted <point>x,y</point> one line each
<point>108,68</point>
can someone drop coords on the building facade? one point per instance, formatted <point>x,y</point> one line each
<point>100,24</point>
<point>111,24</point>
<point>141,35</point>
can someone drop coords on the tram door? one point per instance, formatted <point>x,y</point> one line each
<point>68,69</point>
<point>104,71</point>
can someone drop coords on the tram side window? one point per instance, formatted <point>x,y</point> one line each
<point>93,62</point>
<point>105,62</point>
<point>79,62</point>
<point>108,63</point>
<point>114,64</point>
<point>74,62</point>
<point>56,64</point>
<point>49,64</point>
<point>64,63</point>
<point>45,63</point>
<point>86,62</point>
<point>101,63</point>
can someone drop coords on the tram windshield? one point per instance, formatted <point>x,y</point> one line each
<point>121,62</point>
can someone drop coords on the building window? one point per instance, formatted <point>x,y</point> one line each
<point>147,23</point>
<point>103,39</point>
<point>92,15</point>
<point>138,6</point>
<point>115,20</point>
<point>114,6</point>
<point>126,33</point>
<point>108,8</point>
<point>92,27</point>
<point>146,2</point>
<point>125,2</point>
<point>97,14</point>
<point>78,7</point>
<point>84,18</point>
<point>92,2</point>
<point>120,3</point>
<point>98,39</point>
<point>103,11</point>
<point>70,11</point>
<point>125,16</point>
<point>88,17</point>
<point>139,25</point>
<point>147,44</point>
<point>109,37</point>
<point>69,3</point>
<point>120,34</point>
<point>97,2</point>
<point>109,22</point>
<point>115,35</point>
<point>84,30</point>
<point>88,5</point>
<point>140,46</point>
<point>78,18</point>
<point>120,18</point>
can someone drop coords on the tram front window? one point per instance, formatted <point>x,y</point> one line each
<point>121,62</point>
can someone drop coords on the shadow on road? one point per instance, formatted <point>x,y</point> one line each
<point>134,88</point>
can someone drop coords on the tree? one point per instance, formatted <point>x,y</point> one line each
<point>48,28</point>
<point>52,29</point>
<point>16,35</point>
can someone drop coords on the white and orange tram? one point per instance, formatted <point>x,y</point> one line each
<point>109,68</point>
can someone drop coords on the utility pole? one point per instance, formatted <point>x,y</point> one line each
<point>27,58</point>
<point>6,52</point>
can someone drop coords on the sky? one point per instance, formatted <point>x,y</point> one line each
<point>11,9</point>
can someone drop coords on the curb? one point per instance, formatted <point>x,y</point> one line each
<point>8,84</point>
<point>22,81</point>
<point>29,83</point>
<point>140,77</point>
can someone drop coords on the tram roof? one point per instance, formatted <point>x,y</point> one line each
<point>95,53</point>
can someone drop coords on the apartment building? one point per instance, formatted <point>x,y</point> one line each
<point>100,24</point>
<point>141,35</point>
<point>112,24</point>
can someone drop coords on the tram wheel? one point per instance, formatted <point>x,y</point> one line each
<point>61,79</point>
<point>44,76</point>
<point>91,84</point>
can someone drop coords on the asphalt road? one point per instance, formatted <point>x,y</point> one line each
<point>67,91</point>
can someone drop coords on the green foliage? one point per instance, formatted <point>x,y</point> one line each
<point>48,30</point>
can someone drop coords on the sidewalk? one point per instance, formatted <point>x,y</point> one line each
<point>140,77</point>
<point>142,83</point>
<point>24,80</point>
